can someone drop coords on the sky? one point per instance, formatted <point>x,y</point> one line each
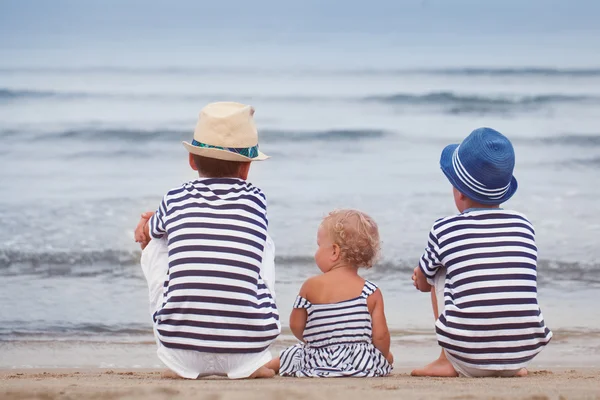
<point>109,31</point>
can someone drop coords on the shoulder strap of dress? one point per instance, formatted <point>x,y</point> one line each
<point>301,302</point>
<point>368,289</point>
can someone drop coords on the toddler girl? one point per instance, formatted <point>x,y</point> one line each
<point>338,315</point>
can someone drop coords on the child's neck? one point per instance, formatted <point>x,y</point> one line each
<point>220,177</point>
<point>475,205</point>
<point>344,269</point>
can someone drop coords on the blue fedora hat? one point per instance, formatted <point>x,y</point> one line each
<point>481,167</point>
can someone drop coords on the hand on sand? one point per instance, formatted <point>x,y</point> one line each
<point>390,358</point>
<point>141,231</point>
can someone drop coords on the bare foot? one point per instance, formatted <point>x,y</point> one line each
<point>522,372</point>
<point>274,364</point>
<point>262,372</point>
<point>168,374</point>
<point>440,368</point>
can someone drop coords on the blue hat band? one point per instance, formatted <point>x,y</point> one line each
<point>250,152</point>
<point>473,184</point>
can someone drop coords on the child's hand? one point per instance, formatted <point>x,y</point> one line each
<point>142,234</point>
<point>420,281</point>
<point>390,358</point>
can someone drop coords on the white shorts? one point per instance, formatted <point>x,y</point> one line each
<point>193,364</point>
<point>464,370</point>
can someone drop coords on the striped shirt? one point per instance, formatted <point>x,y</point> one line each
<point>491,319</point>
<point>338,323</point>
<point>215,299</point>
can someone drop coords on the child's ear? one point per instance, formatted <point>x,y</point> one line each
<point>192,162</point>
<point>336,253</point>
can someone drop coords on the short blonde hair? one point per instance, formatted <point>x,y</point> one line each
<point>357,235</point>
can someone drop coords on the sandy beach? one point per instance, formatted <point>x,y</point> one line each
<point>147,384</point>
<point>63,369</point>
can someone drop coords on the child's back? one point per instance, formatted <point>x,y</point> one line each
<point>346,322</point>
<point>326,288</point>
<point>491,318</point>
<point>215,299</point>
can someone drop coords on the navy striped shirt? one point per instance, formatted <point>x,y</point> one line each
<point>491,319</point>
<point>215,299</point>
<point>339,323</point>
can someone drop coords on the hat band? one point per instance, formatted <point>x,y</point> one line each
<point>250,152</point>
<point>474,184</point>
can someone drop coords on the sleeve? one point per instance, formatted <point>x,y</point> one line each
<point>368,289</point>
<point>157,221</point>
<point>430,260</point>
<point>301,302</point>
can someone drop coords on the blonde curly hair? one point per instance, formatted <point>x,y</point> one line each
<point>356,234</point>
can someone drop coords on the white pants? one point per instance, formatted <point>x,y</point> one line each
<point>193,364</point>
<point>464,370</point>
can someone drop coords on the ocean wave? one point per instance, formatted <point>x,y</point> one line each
<point>303,71</point>
<point>467,104</point>
<point>324,135</point>
<point>10,94</point>
<point>525,72</point>
<point>460,101</point>
<point>27,94</point>
<point>17,329</point>
<point>149,135</point>
<point>483,102</point>
<point>120,134</point>
<point>90,263</point>
<point>44,262</point>
<point>267,136</point>
<point>584,140</point>
<point>582,162</point>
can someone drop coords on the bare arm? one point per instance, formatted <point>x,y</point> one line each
<point>299,316</point>
<point>381,333</point>
<point>298,322</point>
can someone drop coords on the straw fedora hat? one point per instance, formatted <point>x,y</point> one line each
<point>226,131</point>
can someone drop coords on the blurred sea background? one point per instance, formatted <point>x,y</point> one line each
<point>354,102</point>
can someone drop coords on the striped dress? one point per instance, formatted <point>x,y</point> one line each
<point>338,341</point>
<point>215,300</point>
<point>492,319</point>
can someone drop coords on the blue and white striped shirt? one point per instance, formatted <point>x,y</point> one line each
<point>491,319</point>
<point>215,299</point>
<point>344,322</point>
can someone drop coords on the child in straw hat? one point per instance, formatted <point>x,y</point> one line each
<point>208,258</point>
<point>482,266</point>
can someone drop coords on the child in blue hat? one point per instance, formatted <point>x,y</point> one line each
<point>481,264</point>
